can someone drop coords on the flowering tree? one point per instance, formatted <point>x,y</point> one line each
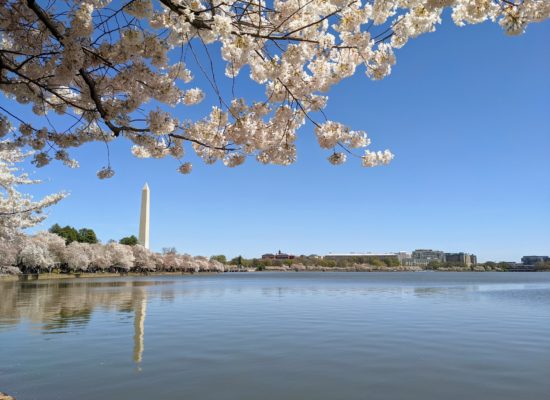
<point>121,256</point>
<point>98,62</point>
<point>9,252</point>
<point>215,265</point>
<point>35,255</point>
<point>77,256</point>
<point>55,245</point>
<point>144,260</point>
<point>17,210</point>
<point>100,258</point>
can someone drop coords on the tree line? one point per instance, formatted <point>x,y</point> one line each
<point>55,253</point>
<point>261,264</point>
<point>85,235</point>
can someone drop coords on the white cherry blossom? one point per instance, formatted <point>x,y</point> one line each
<point>18,210</point>
<point>123,69</point>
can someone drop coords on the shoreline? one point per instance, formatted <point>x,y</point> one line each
<point>88,275</point>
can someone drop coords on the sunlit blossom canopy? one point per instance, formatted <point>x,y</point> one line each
<point>118,69</point>
<point>17,210</point>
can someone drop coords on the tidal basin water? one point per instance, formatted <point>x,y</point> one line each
<point>278,336</point>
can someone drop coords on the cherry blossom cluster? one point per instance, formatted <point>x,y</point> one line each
<point>44,251</point>
<point>102,64</point>
<point>18,210</point>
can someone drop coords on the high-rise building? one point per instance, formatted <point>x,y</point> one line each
<point>144,217</point>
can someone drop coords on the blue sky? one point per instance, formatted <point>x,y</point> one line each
<point>466,112</point>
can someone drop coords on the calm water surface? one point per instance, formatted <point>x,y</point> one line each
<point>278,336</point>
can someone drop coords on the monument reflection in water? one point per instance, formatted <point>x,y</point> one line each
<point>140,310</point>
<point>60,307</point>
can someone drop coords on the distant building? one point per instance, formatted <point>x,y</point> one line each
<point>461,258</point>
<point>510,264</point>
<point>422,257</point>
<point>403,256</point>
<point>278,256</point>
<point>533,260</point>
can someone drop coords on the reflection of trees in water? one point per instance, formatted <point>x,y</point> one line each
<point>67,319</point>
<point>59,307</point>
<point>442,290</point>
<point>45,303</point>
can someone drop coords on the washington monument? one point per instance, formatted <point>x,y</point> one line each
<point>144,218</point>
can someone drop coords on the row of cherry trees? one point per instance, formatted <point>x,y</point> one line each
<point>47,252</point>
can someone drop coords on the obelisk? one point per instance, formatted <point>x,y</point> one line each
<point>144,219</point>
